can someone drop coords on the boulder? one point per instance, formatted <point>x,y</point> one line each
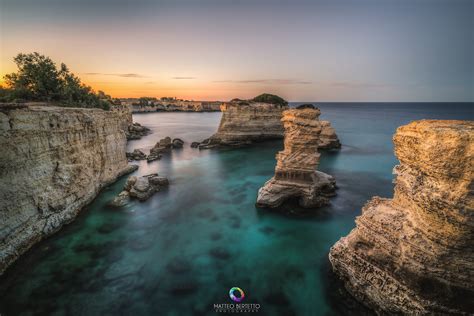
<point>177,143</point>
<point>137,154</point>
<point>141,188</point>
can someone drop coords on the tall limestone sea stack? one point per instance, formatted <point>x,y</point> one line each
<point>295,172</point>
<point>54,161</point>
<point>414,254</point>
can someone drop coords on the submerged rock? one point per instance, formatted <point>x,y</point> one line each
<point>195,144</point>
<point>295,173</point>
<point>120,200</point>
<point>414,254</point>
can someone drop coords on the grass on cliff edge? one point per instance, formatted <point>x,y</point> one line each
<point>39,80</point>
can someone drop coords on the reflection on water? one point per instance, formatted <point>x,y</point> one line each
<point>182,250</point>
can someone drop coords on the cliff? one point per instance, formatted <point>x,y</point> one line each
<point>245,122</point>
<point>177,106</point>
<point>414,254</point>
<point>53,162</point>
<point>295,172</point>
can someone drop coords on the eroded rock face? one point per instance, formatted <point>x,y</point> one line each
<point>414,254</point>
<point>53,162</point>
<point>295,173</point>
<point>328,138</point>
<point>245,122</point>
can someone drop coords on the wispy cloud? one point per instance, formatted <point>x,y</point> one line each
<point>125,75</point>
<point>347,84</point>
<point>266,81</point>
<point>184,78</point>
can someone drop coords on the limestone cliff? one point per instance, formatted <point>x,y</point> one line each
<point>53,162</point>
<point>414,254</point>
<point>245,122</point>
<point>295,172</point>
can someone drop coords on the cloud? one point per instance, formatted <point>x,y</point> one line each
<point>347,84</point>
<point>125,75</point>
<point>184,78</point>
<point>266,81</point>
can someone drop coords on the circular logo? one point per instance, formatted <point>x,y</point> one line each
<point>240,295</point>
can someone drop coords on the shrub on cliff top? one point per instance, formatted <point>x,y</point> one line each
<point>38,79</point>
<point>270,98</point>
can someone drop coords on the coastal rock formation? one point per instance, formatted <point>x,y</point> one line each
<point>328,138</point>
<point>414,254</point>
<point>137,131</point>
<point>141,188</point>
<point>245,122</point>
<point>137,154</point>
<point>54,161</point>
<point>295,173</point>
<point>174,106</point>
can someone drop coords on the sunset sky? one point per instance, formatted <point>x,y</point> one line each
<point>364,50</point>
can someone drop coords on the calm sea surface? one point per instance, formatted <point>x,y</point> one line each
<point>181,251</point>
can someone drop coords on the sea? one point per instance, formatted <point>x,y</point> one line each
<point>183,250</point>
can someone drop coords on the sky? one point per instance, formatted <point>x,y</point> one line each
<point>302,50</point>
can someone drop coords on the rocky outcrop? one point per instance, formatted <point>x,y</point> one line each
<point>137,154</point>
<point>245,122</point>
<point>53,162</point>
<point>328,138</point>
<point>295,174</point>
<point>137,131</point>
<point>414,254</point>
<point>141,188</point>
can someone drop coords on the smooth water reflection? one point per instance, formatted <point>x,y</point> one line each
<point>181,251</point>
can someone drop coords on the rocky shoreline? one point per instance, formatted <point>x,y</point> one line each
<point>414,254</point>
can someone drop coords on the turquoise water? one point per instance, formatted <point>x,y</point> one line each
<point>181,251</point>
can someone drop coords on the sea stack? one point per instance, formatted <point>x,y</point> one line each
<point>414,254</point>
<point>295,172</point>
<point>247,121</point>
<point>328,138</point>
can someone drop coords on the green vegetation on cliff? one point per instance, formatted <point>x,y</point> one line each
<point>38,79</point>
<point>270,98</point>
